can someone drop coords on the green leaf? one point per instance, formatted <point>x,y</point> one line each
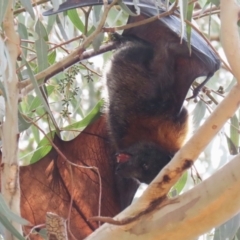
<point>188,27</point>
<point>94,114</point>
<point>5,210</point>
<point>181,183</point>
<point>231,146</point>
<point>22,123</point>
<point>61,28</point>
<point>50,90</point>
<point>41,46</point>
<point>34,104</point>
<point>3,8</point>
<point>97,41</point>
<point>199,113</point>
<point>7,224</point>
<point>183,4</point>
<point>234,131</point>
<point>43,148</point>
<point>228,229</point>
<point>215,2</point>
<point>35,132</point>
<point>126,9</point>
<point>39,93</point>
<point>22,30</point>
<point>238,233</point>
<point>52,57</point>
<point>97,10</point>
<point>28,6</point>
<point>50,23</point>
<point>43,233</point>
<point>77,22</point>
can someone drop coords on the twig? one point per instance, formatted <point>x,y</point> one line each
<point>71,58</point>
<point>20,10</point>
<point>142,22</point>
<point>208,42</point>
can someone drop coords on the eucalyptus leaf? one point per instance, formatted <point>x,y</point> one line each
<point>94,114</point>
<point>228,229</point>
<point>181,183</point>
<point>188,27</point>
<point>61,28</point>
<point>126,9</point>
<point>77,22</point>
<point>199,113</point>
<point>234,130</point>
<point>22,123</point>
<point>215,2</point>
<point>238,233</point>
<point>7,224</point>
<point>22,30</point>
<point>3,8</point>
<point>231,146</point>
<point>97,41</point>
<point>39,93</point>
<point>28,6</point>
<point>4,210</point>
<point>43,233</point>
<point>43,148</point>
<point>50,23</point>
<point>35,132</point>
<point>52,57</point>
<point>183,4</point>
<point>96,15</point>
<point>41,46</point>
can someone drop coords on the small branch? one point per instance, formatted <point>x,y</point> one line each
<point>206,14</point>
<point>20,10</point>
<point>142,22</point>
<point>199,13</point>
<point>26,86</point>
<point>74,57</point>
<point>209,43</point>
<point>52,48</point>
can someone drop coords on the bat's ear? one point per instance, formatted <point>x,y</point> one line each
<point>122,157</point>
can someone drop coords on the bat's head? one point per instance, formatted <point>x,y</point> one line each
<point>142,161</point>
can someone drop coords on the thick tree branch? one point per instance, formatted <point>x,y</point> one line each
<point>194,213</point>
<point>9,129</point>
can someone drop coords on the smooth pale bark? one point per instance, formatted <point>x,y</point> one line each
<point>9,128</point>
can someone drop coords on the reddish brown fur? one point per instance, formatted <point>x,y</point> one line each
<point>169,135</point>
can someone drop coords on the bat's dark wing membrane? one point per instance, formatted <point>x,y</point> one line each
<point>70,4</point>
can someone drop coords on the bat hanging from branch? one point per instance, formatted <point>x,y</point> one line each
<point>148,80</point>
